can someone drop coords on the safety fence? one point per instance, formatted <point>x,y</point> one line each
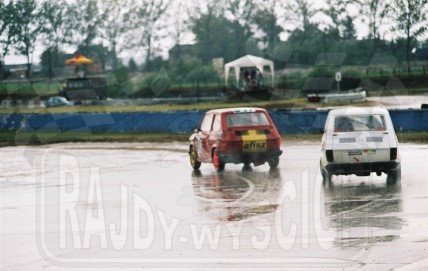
<point>287,121</point>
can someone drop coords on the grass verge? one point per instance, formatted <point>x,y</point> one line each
<point>15,138</point>
<point>297,103</point>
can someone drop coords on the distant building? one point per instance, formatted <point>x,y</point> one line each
<point>16,68</point>
<point>18,71</point>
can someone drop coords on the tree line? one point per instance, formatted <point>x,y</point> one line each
<point>227,29</point>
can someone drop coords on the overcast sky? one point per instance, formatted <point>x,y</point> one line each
<point>361,28</point>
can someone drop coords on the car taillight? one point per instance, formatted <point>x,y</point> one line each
<point>329,155</point>
<point>273,143</point>
<point>393,154</point>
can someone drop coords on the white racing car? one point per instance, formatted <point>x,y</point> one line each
<point>360,141</point>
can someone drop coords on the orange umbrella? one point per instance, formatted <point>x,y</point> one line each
<point>78,59</point>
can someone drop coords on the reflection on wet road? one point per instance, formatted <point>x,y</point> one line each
<point>362,211</point>
<point>368,208</point>
<point>142,205</point>
<point>233,196</point>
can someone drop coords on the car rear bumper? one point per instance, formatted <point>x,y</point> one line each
<point>356,168</point>
<point>249,157</point>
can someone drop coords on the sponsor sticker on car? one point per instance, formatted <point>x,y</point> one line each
<point>253,141</point>
<point>355,152</point>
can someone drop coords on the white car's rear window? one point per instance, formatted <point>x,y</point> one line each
<point>359,123</point>
<point>247,119</point>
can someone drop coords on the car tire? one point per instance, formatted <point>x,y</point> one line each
<point>326,175</point>
<point>394,176</point>
<point>193,160</point>
<point>273,162</point>
<point>218,164</point>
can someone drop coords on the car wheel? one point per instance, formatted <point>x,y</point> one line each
<point>394,176</point>
<point>193,161</point>
<point>218,164</point>
<point>273,162</point>
<point>326,175</point>
<point>247,167</point>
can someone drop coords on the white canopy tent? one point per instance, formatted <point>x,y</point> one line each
<point>246,62</point>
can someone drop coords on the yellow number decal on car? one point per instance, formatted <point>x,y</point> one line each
<point>253,141</point>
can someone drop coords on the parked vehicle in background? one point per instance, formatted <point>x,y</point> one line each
<point>85,80</point>
<point>85,88</point>
<point>360,141</point>
<point>235,135</point>
<point>57,101</point>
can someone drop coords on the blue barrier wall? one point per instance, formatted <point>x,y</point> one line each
<point>183,121</point>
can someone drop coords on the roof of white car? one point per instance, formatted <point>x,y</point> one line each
<point>358,111</point>
<point>236,110</point>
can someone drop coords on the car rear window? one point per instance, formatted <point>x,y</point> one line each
<point>247,119</point>
<point>356,123</point>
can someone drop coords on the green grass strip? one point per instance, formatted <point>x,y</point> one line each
<point>297,103</point>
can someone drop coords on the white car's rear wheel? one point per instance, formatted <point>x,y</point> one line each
<point>394,176</point>
<point>326,175</point>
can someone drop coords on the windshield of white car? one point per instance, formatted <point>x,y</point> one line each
<point>247,119</point>
<point>359,123</point>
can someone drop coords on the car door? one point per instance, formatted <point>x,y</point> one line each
<point>215,133</point>
<point>202,146</point>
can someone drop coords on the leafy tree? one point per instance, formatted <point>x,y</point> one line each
<point>54,15</point>
<point>84,21</point>
<point>184,67</point>
<point>410,21</point>
<point>322,72</point>
<point>242,17</point>
<point>214,36</point>
<point>157,63</point>
<point>267,19</point>
<point>8,27</point>
<point>181,23</point>
<point>202,74</point>
<point>349,32</point>
<point>29,25</point>
<point>51,59</point>
<point>120,85</point>
<point>114,27</point>
<point>305,45</point>
<point>341,21</point>
<point>376,12</point>
<point>281,54</point>
<point>148,21</point>
<point>398,49</point>
<point>301,13</point>
<point>98,52</point>
<point>132,65</point>
<point>210,30</point>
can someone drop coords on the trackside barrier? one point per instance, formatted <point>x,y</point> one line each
<point>288,122</point>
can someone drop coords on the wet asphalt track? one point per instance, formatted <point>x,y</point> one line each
<point>140,205</point>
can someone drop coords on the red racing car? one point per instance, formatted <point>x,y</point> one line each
<point>235,135</point>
